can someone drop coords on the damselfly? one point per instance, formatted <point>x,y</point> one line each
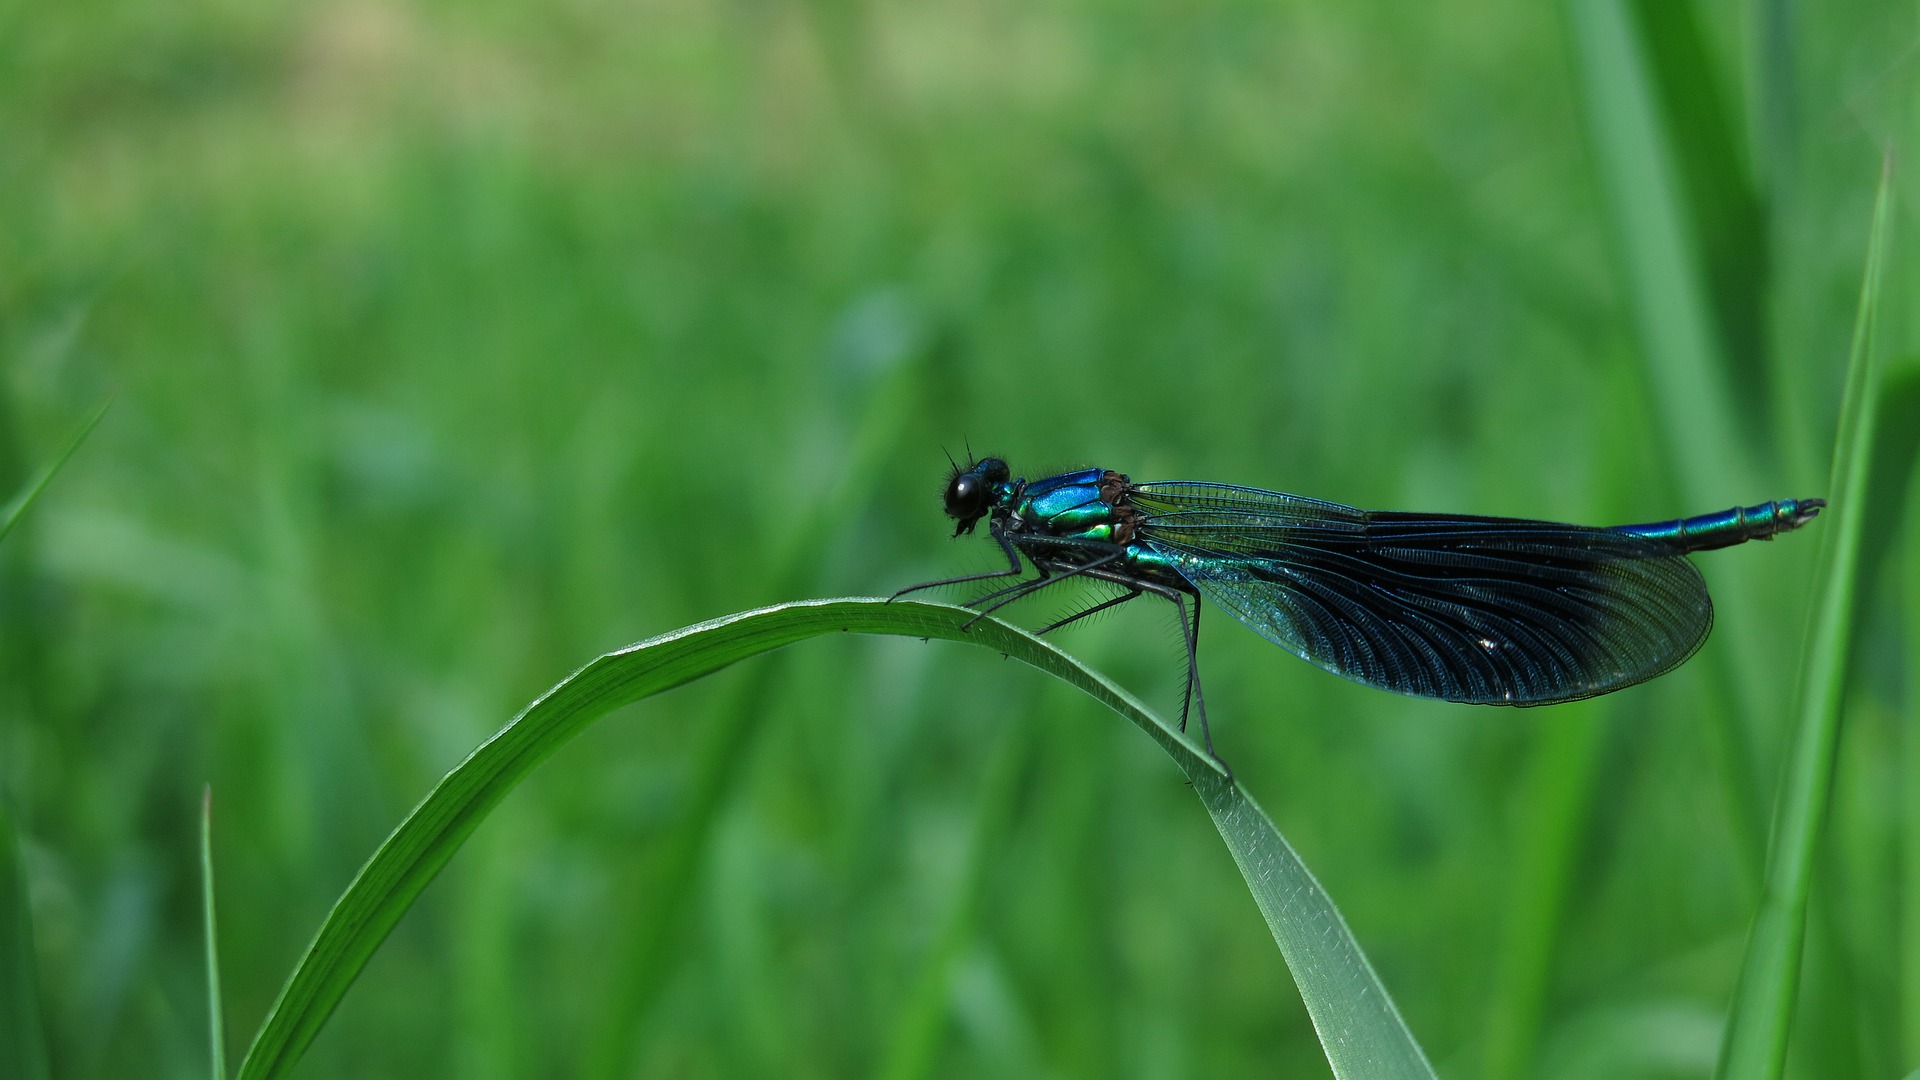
<point>1484,610</point>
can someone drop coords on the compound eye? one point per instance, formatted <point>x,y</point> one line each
<point>966,496</point>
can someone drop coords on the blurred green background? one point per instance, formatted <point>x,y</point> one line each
<point>455,344</point>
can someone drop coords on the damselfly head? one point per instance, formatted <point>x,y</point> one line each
<point>971,491</point>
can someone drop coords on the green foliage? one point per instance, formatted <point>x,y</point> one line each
<point>454,344</point>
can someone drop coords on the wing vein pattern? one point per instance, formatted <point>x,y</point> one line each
<point>1497,611</point>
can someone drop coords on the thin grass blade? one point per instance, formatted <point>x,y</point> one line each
<point>1896,457</point>
<point>16,508</point>
<point>1755,1044</point>
<point>216,1012</point>
<point>1361,1031</point>
<point>1565,775</point>
<point>1908,926</point>
<point>1662,253</point>
<point>1776,102</point>
<point>23,1042</point>
<point>1730,225</point>
<point>1660,248</point>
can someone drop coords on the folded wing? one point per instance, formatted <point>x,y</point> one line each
<point>1496,611</point>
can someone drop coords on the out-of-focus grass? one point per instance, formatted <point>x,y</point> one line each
<point>456,344</point>
<point>216,1001</point>
<point>23,1039</point>
<point>1762,1013</point>
<point>16,508</point>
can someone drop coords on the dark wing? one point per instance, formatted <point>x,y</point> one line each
<point>1495,611</point>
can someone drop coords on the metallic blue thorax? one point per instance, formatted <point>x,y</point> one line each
<point>1068,506</point>
<point>1079,519</point>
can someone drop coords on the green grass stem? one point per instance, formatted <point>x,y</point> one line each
<point>1908,924</point>
<point>1660,249</point>
<point>216,1011</point>
<point>1755,1043</point>
<point>1664,250</point>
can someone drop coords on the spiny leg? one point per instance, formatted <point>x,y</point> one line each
<point>1016,590</point>
<point>1095,609</point>
<point>1045,566</point>
<point>1190,632</point>
<point>1014,569</point>
<point>1009,595</point>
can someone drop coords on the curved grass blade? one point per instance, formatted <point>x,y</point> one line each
<point>1358,1025</point>
<point>643,951</point>
<point>1755,1044</point>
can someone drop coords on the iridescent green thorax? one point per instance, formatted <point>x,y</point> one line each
<point>1086,516</point>
<point>1078,505</point>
